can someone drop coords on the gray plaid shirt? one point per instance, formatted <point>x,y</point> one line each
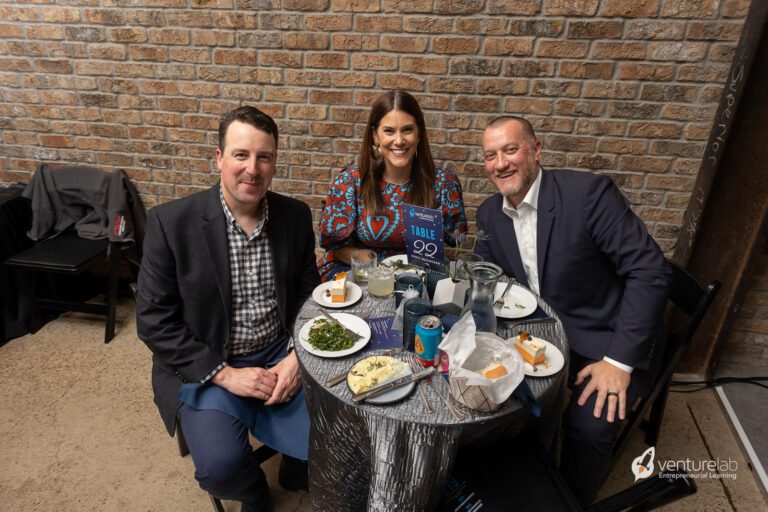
<point>255,318</point>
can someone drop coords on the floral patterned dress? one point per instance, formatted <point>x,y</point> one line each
<point>346,222</point>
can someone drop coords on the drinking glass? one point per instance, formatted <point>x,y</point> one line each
<point>362,263</point>
<point>381,282</point>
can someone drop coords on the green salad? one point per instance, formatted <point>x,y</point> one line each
<point>325,335</point>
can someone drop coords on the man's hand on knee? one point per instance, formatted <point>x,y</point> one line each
<point>288,379</point>
<point>252,382</point>
<point>610,383</point>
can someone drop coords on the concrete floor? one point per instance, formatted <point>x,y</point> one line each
<point>79,432</point>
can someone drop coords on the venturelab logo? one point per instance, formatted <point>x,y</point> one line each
<point>642,466</point>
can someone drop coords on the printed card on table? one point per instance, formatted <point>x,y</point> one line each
<point>424,236</point>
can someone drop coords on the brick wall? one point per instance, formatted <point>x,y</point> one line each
<point>624,87</point>
<point>747,342</point>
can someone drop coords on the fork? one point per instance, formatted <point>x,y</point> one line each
<point>499,303</point>
<point>424,400</point>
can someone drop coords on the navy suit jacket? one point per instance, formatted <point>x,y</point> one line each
<point>599,269</point>
<point>184,300</point>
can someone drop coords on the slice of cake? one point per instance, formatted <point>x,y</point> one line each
<point>493,371</point>
<point>339,287</point>
<point>531,349</point>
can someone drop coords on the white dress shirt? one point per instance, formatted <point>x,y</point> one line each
<point>525,218</point>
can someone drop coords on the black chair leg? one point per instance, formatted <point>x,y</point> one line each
<point>217,506</point>
<point>650,494</point>
<point>183,449</point>
<point>113,257</point>
<point>654,419</point>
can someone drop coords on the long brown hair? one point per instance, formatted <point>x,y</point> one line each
<point>372,166</point>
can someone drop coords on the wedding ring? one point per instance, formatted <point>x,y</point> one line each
<point>613,393</point>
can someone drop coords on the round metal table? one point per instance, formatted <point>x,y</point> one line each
<point>397,456</point>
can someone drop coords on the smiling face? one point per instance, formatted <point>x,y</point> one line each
<point>397,135</point>
<point>247,165</point>
<point>511,159</point>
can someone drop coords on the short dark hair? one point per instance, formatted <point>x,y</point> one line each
<point>527,127</point>
<point>248,115</point>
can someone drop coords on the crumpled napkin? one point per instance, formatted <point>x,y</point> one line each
<point>469,351</point>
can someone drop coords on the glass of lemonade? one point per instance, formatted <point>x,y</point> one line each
<point>363,261</point>
<point>381,282</point>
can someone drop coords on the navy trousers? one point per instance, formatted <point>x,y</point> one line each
<point>587,441</point>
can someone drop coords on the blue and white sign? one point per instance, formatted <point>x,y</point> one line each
<point>424,236</point>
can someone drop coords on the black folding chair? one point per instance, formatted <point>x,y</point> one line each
<point>71,255</point>
<point>687,296</point>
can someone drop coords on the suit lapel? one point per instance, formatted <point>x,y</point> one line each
<point>217,244</point>
<point>545,219</point>
<point>505,230</point>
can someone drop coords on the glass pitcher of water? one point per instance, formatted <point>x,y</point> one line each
<point>483,277</point>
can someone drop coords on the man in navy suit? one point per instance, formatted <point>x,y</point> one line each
<point>572,238</point>
<point>224,274</point>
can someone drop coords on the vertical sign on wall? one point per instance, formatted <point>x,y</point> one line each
<point>424,236</point>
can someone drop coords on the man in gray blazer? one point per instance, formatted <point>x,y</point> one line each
<point>223,276</point>
<point>572,238</point>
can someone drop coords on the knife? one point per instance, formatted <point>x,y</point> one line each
<point>394,384</point>
<point>348,331</point>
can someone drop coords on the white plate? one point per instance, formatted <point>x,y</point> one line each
<point>351,322</point>
<point>402,258</point>
<point>393,395</point>
<point>553,360</point>
<point>516,296</point>
<point>354,293</point>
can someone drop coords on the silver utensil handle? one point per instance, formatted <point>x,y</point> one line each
<point>425,401</point>
<point>347,330</point>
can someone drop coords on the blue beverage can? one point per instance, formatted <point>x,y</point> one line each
<point>429,332</point>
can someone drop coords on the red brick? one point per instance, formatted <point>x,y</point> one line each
<point>198,89</point>
<point>190,19</point>
<point>331,129</point>
<point>37,125</point>
<point>433,101</point>
<point>550,48</point>
<point>594,29</point>
<point>57,141</point>
<point>67,15</point>
<point>618,50</point>
<point>120,116</point>
<point>685,51</point>
<point>179,104</point>
<point>481,26</point>
<point>634,110</point>
<point>239,20</point>
<point>477,103</point>
<point>324,97</point>
<point>352,79</point>
<point>286,94</point>
<point>580,108</point>
<point>455,45</point>
<point>108,51</point>
<point>118,86</point>
<point>631,9</point>
<point>214,38</point>
<point>26,48</point>
<point>374,62</point>
<point>649,29</point>
<point>175,71</point>
<point>570,7</point>
<point>451,84</point>
<point>328,22</point>
<point>424,65</point>
<point>590,162</point>
<point>690,9</point>
<point>93,144</point>
<point>306,41</point>
<point>19,13</point>
<point>454,7</point>
<point>406,44</point>
<point>528,106</point>
<point>195,55</point>
<point>354,6</point>
<point>569,143</point>
<point>313,78</point>
<point>697,131</point>
<point>427,24</point>
<point>283,59</point>
<point>158,87</point>
<point>644,164</point>
<point>722,52</point>
<point>622,146</point>
<point>137,102</point>
<point>329,60</point>
<point>538,67</point>
<point>587,70</point>
<point>717,31</point>
<point>53,66</point>
<point>378,24</point>
<point>655,130</point>
<point>8,30</point>
<point>172,36</point>
<point>242,92</point>
<point>149,53</point>
<point>668,93</point>
<point>674,183</point>
<point>675,148</point>
<point>508,46</point>
<point>736,8</point>
<point>354,42</point>
<point>45,32</point>
<point>127,35</point>
<point>502,86</point>
<point>407,83</point>
<point>600,127</point>
<point>655,72</point>
<point>476,66</point>
<point>519,7</point>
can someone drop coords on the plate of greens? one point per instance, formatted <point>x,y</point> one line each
<point>323,338</point>
<point>399,262</point>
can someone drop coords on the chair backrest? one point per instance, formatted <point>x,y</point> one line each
<point>693,299</point>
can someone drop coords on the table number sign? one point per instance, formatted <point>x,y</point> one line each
<point>424,236</point>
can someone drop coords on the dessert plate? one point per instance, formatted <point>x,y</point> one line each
<point>553,361</point>
<point>322,295</point>
<point>518,302</point>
